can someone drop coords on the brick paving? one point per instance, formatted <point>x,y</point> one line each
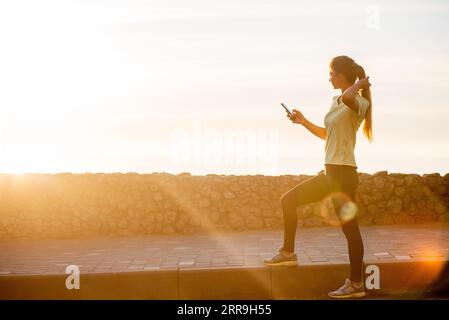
<point>155,252</point>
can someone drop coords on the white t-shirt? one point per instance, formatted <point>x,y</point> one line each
<point>341,124</point>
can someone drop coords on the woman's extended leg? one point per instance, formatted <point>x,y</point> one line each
<point>355,248</point>
<point>310,190</point>
<point>344,204</point>
<point>347,182</point>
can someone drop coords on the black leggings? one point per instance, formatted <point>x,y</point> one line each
<point>340,183</point>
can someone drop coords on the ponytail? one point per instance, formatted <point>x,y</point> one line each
<point>366,93</point>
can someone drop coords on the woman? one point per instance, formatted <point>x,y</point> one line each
<point>340,179</point>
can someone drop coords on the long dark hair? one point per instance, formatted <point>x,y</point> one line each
<point>353,71</point>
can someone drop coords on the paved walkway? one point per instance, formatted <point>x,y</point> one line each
<point>315,246</point>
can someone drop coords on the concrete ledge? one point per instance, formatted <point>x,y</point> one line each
<point>305,282</point>
<point>302,282</point>
<point>315,281</point>
<point>18,287</point>
<point>225,283</point>
<point>161,284</point>
<point>410,275</point>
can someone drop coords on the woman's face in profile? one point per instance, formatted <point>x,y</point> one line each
<point>336,79</point>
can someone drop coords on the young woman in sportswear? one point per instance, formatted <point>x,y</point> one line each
<point>340,178</point>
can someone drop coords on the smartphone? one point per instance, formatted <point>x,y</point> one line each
<point>287,109</point>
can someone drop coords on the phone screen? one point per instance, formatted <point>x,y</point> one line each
<point>286,109</point>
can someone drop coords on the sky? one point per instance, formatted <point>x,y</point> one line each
<point>196,86</point>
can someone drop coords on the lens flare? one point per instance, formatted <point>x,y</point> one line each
<point>340,201</point>
<point>348,211</point>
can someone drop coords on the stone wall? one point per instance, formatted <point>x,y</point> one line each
<point>68,205</point>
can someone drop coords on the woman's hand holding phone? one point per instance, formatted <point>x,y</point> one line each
<point>296,117</point>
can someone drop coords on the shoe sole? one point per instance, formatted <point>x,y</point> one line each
<point>352,295</point>
<point>284,264</point>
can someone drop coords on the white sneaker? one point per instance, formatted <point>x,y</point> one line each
<point>282,259</point>
<point>348,290</point>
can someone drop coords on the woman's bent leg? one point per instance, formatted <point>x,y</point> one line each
<point>310,190</point>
